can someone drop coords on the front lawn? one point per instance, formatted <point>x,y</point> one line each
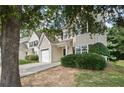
<point>112,76</point>
<point>22,62</point>
<point>120,63</point>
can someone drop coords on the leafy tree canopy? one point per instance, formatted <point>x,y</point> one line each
<point>116,39</point>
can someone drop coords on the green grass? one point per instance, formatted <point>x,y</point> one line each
<point>120,63</point>
<point>22,62</point>
<point>113,76</point>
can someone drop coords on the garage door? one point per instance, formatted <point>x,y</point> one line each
<point>45,56</point>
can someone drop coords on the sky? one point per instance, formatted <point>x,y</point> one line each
<point>109,25</point>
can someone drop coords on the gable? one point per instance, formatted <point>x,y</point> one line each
<point>33,41</point>
<point>33,37</point>
<point>44,43</point>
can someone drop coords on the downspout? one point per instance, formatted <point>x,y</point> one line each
<point>87,32</point>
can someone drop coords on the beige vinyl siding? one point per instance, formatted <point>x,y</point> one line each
<point>57,53</point>
<point>86,39</point>
<point>70,50</point>
<point>22,54</point>
<point>22,51</point>
<point>45,44</point>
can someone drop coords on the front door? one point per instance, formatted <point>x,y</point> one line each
<point>64,52</point>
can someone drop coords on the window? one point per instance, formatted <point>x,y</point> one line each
<point>65,35</point>
<point>84,49</point>
<point>81,49</point>
<point>78,50</point>
<point>34,43</point>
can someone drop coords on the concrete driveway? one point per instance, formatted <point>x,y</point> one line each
<point>34,67</point>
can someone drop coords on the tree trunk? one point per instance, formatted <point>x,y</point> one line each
<point>10,53</point>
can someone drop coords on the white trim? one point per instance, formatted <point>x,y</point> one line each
<point>66,50</point>
<point>50,53</point>
<point>41,39</point>
<point>87,48</point>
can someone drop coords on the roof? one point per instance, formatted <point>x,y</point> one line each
<point>64,42</point>
<point>23,46</point>
<point>38,34</point>
<point>51,38</point>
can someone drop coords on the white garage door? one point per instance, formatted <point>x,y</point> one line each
<point>45,56</point>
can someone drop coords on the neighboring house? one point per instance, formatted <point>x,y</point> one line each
<point>23,49</point>
<point>33,43</point>
<point>51,50</point>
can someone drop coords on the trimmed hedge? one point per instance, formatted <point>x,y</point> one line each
<point>87,61</point>
<point>92,61</point>
<point>69,60</point>
<point>32,57</point>
<point>99,48</point>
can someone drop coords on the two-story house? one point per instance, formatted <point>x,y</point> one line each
<point>51,50</point>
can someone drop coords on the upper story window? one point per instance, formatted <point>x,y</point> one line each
<point>34,43</point>
<point>65,35</point>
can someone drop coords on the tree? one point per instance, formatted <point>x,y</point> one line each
<point>13,19</point>
<point>10,47</point>
<point>92,18</point>
<point>16,18</point>
<point>116,42</point>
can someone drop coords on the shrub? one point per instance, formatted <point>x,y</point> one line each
<point>99,48</point>
<point>69,60</point>
<point>32,57</point>
<point>92,61</point>
<point>87,61</point>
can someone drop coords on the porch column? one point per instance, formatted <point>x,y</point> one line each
<point>66,48</point>
<point>87,48</point>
